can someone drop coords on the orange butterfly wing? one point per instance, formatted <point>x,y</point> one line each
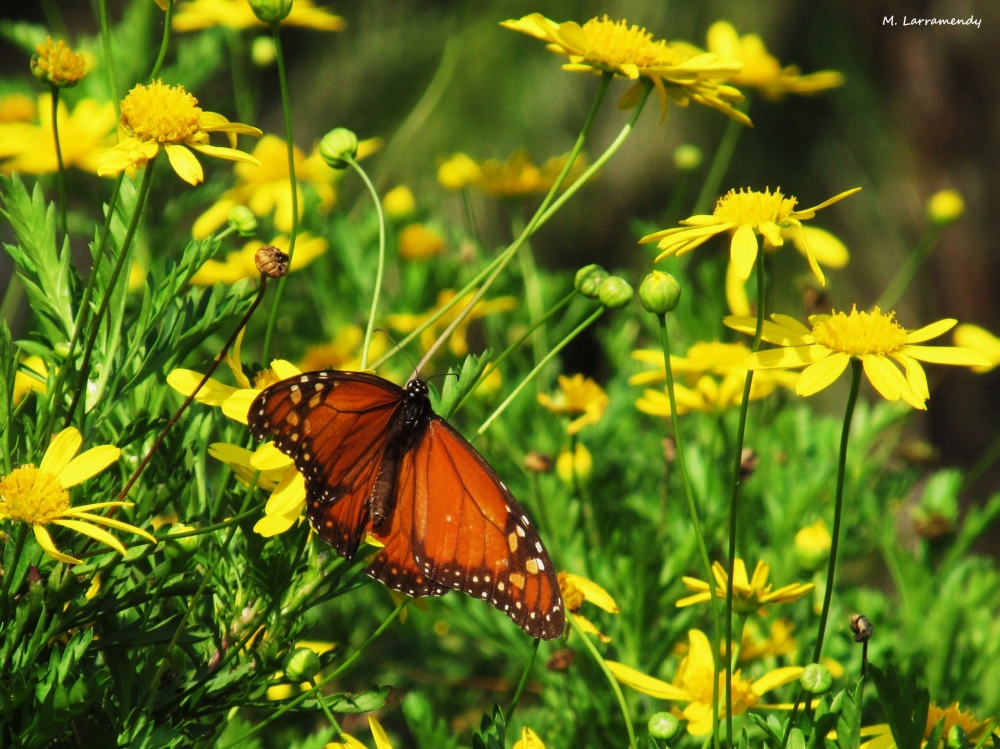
<point>470,534</point>
<point>335,426</point>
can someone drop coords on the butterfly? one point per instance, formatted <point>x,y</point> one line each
<point>377,460</point>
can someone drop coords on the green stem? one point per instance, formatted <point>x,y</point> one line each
<point>536,303</point>
<point>326,709</point>
<point>536,221</point>
<point>908,270</point>
<point>516,344</point>
<point>238,69</point>
<point>720,163</point>
<point>8,577</point>
<point>524,679</point>
<point>696,522</point>
<point>106,41</point>
<point>286,109</point>
<point>381,258</point>
<point>82,314</point>
<point>164,42</point>
<point>95,324</point>
<point>614,683</point>
<point>61,173</point>
<point>325,680</point>
<point>987,459</point>
<point>538,367</point>
<point>735,499</point>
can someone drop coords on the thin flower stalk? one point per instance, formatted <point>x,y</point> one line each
<point>61,170</point>
<point>908,270</point>
<point>165,41</point>
<point>286,109</point>
<point>109,64</point>
<point>523,681</point>
<point>592,649</point>
<point>735,499</point>
<point>696,522</point>
<point>381,258</point>
<point>720,162</point>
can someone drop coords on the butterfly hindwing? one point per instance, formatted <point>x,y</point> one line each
<point>470,534</point>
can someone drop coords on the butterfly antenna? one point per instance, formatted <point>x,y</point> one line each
<point>398,347</point>
<point>445,374</point>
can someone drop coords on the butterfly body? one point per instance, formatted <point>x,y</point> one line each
<point>377,459</point>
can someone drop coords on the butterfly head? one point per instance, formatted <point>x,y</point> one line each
<point>416,390</point>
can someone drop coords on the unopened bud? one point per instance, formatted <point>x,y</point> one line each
<point>537,462</point>
<point>271,11</point>
<point>338,146</point>
<point>262,51</point>
<point>659,293</point>
<point>664,726</point>
<point>816,678</point>
<point>861,627</point>
<point>687,157</point>
<point>616,292</point>
<point>243,221</point>
<point>957,738</point>
<point>56,64</point>
<point>271,261</point>
<point>945,207</point>
<point>302,664</point>
<point>588,280</point>
<point>180,548</point>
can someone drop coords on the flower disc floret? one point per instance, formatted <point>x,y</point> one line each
<point>860,333</point>
<point>33,496</point>
<point>756,209</point>
<point>57,64</point>
<point>166,114</point>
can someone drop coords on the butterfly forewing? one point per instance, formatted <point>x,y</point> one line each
<point>470,534</point>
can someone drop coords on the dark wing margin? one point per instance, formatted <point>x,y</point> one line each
<point>335,426</point>
<point>470,534</point>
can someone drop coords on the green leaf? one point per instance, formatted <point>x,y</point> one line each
<point>934,740</point>
<point>849,723</point>
<point>455,389</point>
<point>492,731</point>
<point>904,704</point>
<point>429,731</point>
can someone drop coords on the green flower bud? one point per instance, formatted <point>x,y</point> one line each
<point>302,664</point>
<point>687,157</point>
<point>957,738</point>
<point>816,678</point>
<point>616,292</point>
<point>262,51</point>
<point>659,293</point>
<point>337,146</point>
<point>243,221</point>
<point>664,726</point>
<point>181,548</point>
<point>945,207</point>
<point>61,349</point>
<point>588,280</point>
<point>271,11</point>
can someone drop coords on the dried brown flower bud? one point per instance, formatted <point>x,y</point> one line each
<point>271,261</point>
<point>861,627</point>
<point>748,463</point>
<point>538,462</point>
<point>561,660</point>
<point>669,450</point>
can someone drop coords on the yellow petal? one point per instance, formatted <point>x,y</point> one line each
<point>185,164</point>
<point>234,455</point>
<point>268,458</point>
<point>592,592</point>
<point>743,251</point>
<point>237,405</point>
<point>786,358</point>
<point>378,733</point>
<point>699,656</point>
<point>646,684</point>
<point>772,332</point>
<point>776,678</point>
<point>61,451</point>
<point>915,376</point>
<point>822,374</point>
<point>88,464</point>
<point>693,583</point>
<point>230,154</point>
<point>787,321</point>
<point>349,742</point>
<point>813,264</point>
<point>212,393</point>
<point>98,534</point>
<point>960,357</point>
<point>883,376</point>
<point>694,600</point>
<point>584,624</point>
<point>287,495</point>
<point>760,575</point>
<point>284,369</point>
<point>740,579</point>
<point>931,331</point>
<point>826,248</point>
<point>825,203</point>
<point>736,293</point>
<point>76,512</point>
<point>529,740</point>
<point>273,525</point>
<point>45,541</point>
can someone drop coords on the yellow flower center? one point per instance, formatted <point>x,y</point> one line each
<point>166,114</point>
<point>617,43</point>
<point>265,378</point>
<point>572,596</point>
<point>754,208</point>
<point>32,496</point>
<point>57,63</point>
<point>953,716</point>
<point>698,683</point>
<point>860,333</point>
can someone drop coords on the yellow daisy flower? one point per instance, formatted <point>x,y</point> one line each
<point>17,108</point>
<point>418,242</point>
<point>693,684</point>
<point>575,590</point>
<point>871,337</point>
<point>953,715</point>
<point>57,64</point>
<point>194,15</point>
<point>750,595</point>
<point>577,395</point>
<point>24,383</point>
<point>83,137</point>
<point>399,202</point>
<point>679,71</point>
<point>516,177</point>
<point>263,185</point>
<point>978,339</point>
<point>761,70</point>
<point>745,214</point>
<point>240,263</point>
<point>160,115</point>
<point>344,352</point>
<point>40,496</point>
<point>778,642</point>
<point>458,344</point>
